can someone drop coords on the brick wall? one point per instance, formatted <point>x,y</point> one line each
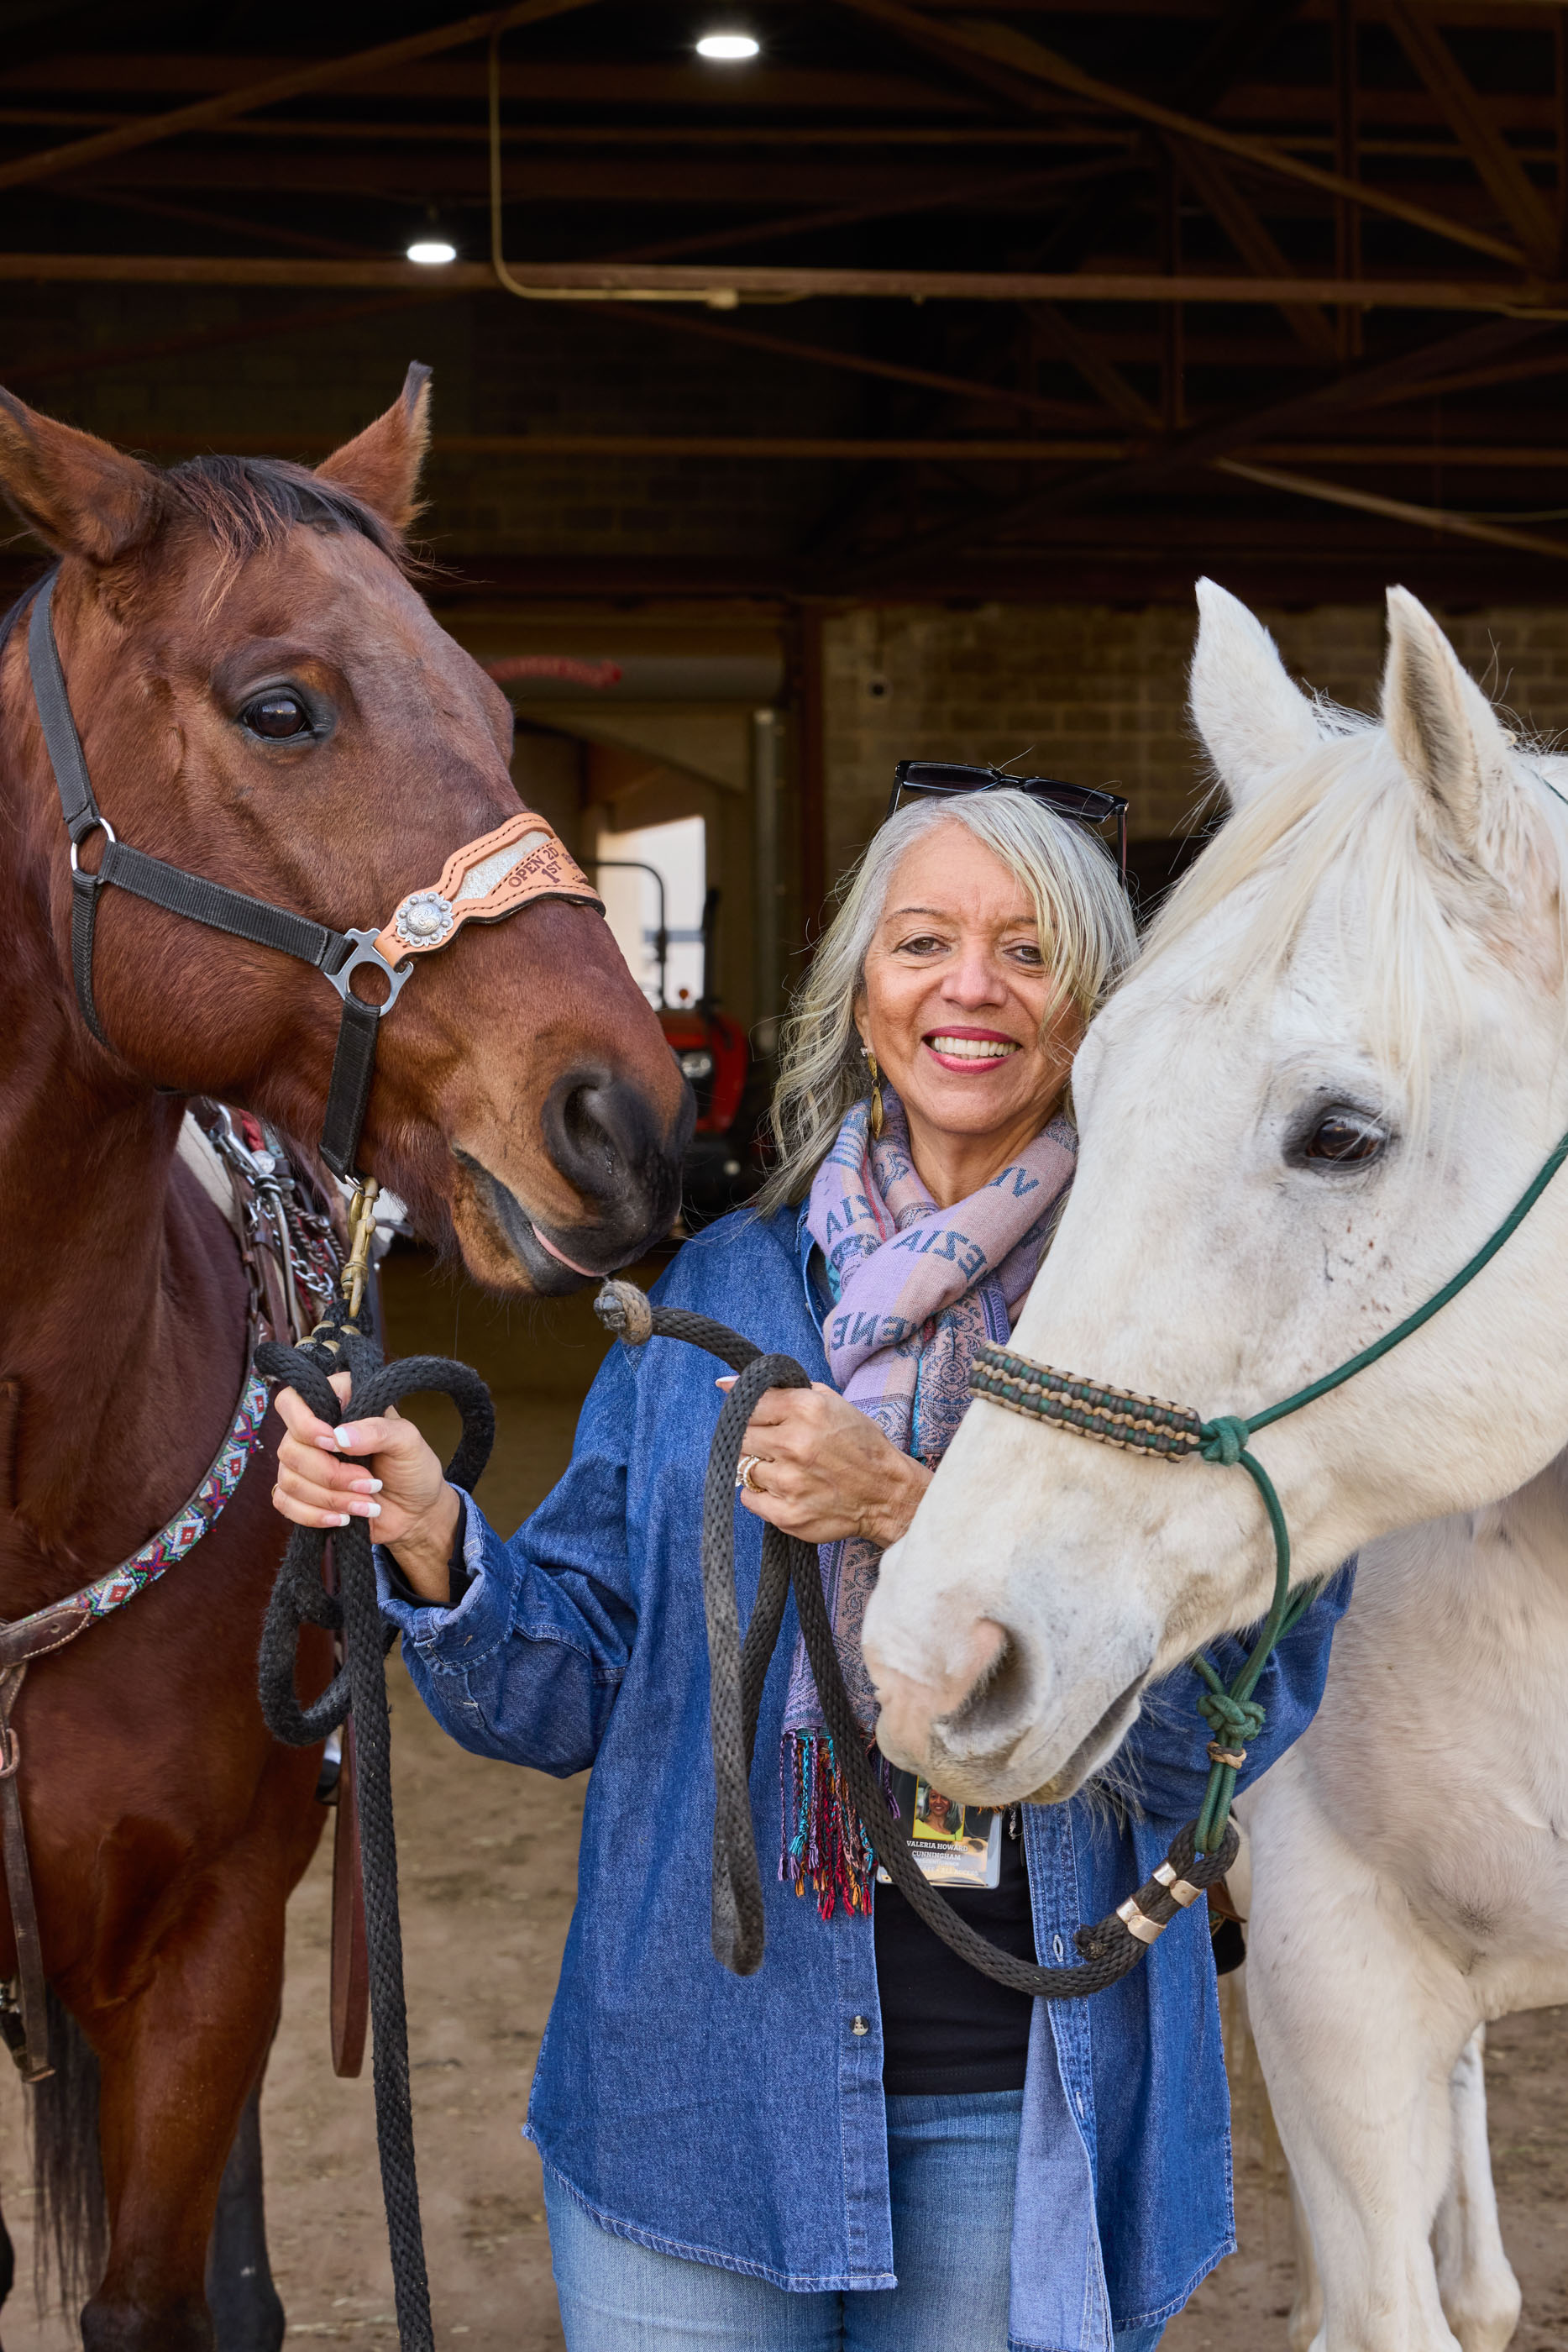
<point>1100,693</point>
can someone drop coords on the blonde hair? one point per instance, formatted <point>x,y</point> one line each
<point>1085,930</point>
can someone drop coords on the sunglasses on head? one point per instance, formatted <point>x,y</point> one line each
<point>944,779</point>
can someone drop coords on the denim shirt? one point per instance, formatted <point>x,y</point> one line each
<point>740,2121</point>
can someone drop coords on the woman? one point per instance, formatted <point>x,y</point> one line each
<point>729,2163</point>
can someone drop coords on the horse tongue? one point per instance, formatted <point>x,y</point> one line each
<point>559,1255</point>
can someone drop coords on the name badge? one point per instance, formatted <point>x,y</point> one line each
<point>954,1844</point>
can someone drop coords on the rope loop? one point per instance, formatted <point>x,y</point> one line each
<point>1224,1440</point>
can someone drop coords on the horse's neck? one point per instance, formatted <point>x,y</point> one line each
<point>1531,1526</point>
<point>1491,1582</point>
<point>107,1284</point>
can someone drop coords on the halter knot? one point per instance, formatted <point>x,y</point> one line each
<point>1237,1719</point>
<point>1224,1440</point>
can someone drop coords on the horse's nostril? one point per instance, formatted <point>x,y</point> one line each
<point>997,1705</point>
<point>607,1140</point>
<point>588,1137</point>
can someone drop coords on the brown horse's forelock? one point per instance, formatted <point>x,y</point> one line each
<point>250,504</point>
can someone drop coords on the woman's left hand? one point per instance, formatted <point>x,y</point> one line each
<point>822,1470</point>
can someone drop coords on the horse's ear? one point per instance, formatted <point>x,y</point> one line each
<point>381,464</point>
<point>1252,719</point>
<point>81,497</point>
<point>1443,728</point>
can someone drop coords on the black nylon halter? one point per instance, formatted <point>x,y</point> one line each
<point>337,955</point>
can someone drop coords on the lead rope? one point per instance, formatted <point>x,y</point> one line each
<point>299,1598</point>
<point>738,1671</point>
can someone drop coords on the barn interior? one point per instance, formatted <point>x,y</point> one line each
<point>819,383</point>
<point>894,378</point>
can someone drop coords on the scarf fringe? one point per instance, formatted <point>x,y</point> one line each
<point>824,1847</point>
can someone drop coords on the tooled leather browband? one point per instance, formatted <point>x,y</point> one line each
<point>522,860</point>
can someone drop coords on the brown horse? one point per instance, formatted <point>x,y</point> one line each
<point>265,701</point>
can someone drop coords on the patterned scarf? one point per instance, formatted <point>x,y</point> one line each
<point>915,1291</point>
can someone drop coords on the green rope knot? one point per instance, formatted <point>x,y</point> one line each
<point>1224,1440</point>
<point>1237,1721</point>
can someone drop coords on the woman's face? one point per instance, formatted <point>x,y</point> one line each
<point>956,992</point>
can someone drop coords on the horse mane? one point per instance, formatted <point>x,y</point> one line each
<point>250,504</point>
<point>1346,818</point>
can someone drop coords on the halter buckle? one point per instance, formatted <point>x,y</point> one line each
<point>365,951</point>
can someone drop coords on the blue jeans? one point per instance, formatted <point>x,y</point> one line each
<point>951,2163</point>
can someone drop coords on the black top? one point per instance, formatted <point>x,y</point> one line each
<point>945,2027</point>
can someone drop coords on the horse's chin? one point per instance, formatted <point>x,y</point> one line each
<point>508,1249</point>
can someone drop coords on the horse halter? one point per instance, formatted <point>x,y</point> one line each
<point>520,863</point>
<point>1174,1433</point>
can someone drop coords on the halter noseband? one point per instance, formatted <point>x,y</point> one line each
<point>520,863</point>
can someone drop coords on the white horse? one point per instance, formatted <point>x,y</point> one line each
<point>1411,1847</point>
<point>1338,1064</point>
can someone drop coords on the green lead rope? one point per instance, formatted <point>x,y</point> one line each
<point>1143,1425</point>
<point>1234,1715</point>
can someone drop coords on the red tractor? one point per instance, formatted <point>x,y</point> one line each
<point>724,1164</point>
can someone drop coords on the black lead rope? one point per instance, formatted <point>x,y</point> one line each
<point>299,1598</point>
<point>739,1669</point>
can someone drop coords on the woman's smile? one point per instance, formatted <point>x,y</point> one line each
<point>970,1049</point>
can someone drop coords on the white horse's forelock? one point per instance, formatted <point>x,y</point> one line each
<point>1344,819</point>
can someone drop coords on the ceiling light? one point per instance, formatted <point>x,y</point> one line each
<point>729,49</point>
<point>431,251</point>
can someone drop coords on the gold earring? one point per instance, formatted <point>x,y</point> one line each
<point>875,1091</point>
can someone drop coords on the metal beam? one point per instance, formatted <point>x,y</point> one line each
<point>1520,202</point>
<point>725,285</point>
<point>771,448</point>
<point>1102,375</point>
<point>208,113</point>
<point>1055,412</point>
<point>1340,494</point>
<point>1213,186</point>
<point>1201,446</point>
<point>1000,45</point>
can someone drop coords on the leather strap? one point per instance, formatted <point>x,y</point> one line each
<point>84,923</point>
<point>519,862</point>
<point>349,1092</point>
<point>72,782</point>
<point>26,2026</point>
<point>220,908</point>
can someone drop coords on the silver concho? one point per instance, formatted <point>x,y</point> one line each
<point>423,919</point>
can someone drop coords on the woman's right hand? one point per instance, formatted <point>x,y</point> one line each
<point>399,1487</point>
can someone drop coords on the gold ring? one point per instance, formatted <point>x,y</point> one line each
<point>743,1473</point>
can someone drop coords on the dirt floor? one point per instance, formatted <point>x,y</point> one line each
<point>488,1857</point>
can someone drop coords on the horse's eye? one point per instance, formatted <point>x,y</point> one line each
<point>277,714</point>
<point>1344,1138</point>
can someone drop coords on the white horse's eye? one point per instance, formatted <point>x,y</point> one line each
<point>1343,1138</point>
